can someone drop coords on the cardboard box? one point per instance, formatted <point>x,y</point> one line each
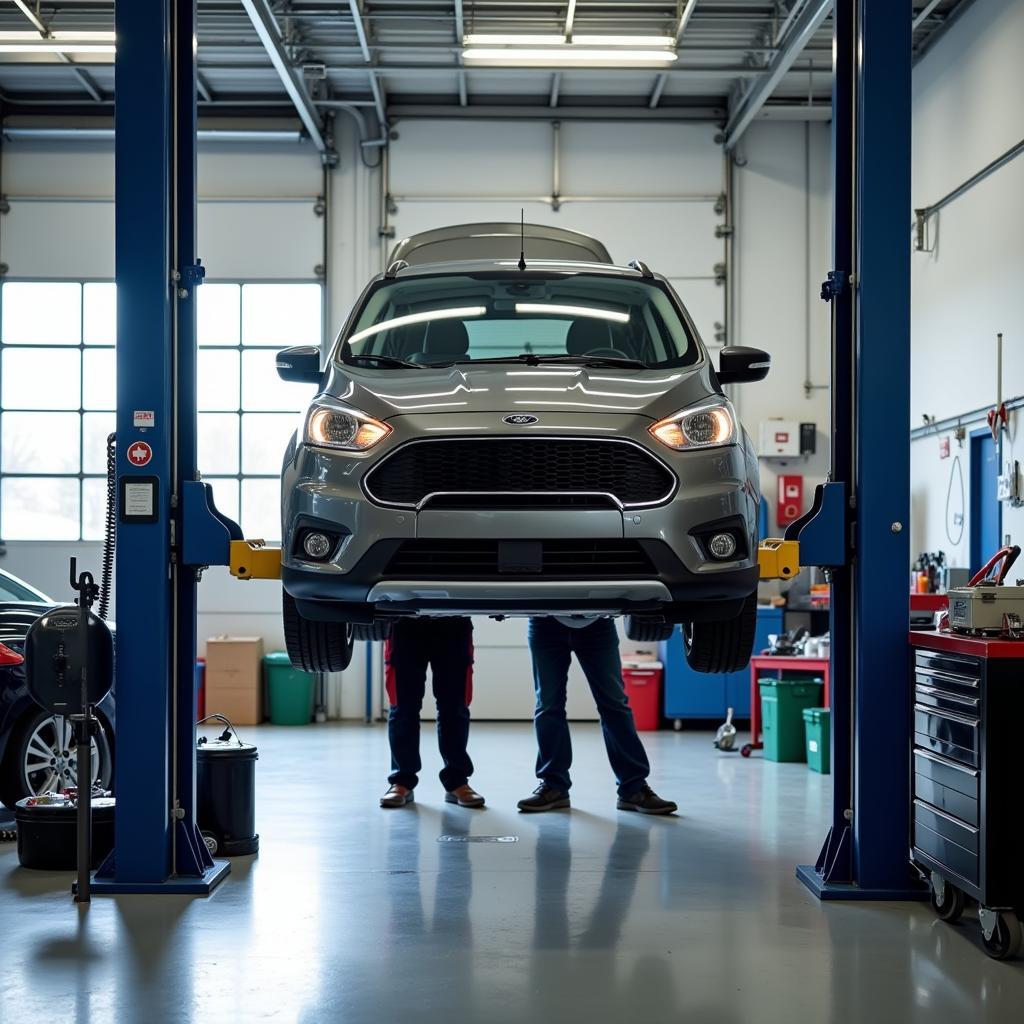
<point>234,678</point>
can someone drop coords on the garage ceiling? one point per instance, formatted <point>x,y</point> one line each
<point>268,59</point>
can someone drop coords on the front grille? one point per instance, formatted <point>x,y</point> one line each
<point>536,466</point>
<point>559,559</point>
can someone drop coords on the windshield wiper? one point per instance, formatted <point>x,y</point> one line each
<point>382,360</point>
<point>594,360</point>
<point>532,359</point>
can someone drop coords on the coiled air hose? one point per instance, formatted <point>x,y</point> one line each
<point>110,529</point>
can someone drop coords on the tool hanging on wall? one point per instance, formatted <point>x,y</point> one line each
<point>997,416</point>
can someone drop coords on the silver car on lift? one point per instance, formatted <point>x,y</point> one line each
<point>509,425</point>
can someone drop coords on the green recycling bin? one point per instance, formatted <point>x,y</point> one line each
<point>782,705</point>
<point>818,731</point>
<point>290,690</point>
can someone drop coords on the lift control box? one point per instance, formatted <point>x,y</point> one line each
<point>781,439</point>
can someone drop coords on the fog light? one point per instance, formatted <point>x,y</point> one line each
<point>722,545</point>
<point>316,545</point>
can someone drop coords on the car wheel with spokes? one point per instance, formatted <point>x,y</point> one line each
<point>41,757</point>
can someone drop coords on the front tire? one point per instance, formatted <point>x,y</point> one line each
<point>312,645</point>
<point>723,646</point>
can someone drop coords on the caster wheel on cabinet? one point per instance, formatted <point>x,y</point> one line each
<point>1001,933</point>
<point>947,900</point>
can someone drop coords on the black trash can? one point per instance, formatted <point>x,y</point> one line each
<point>226,796</point>
<point>48,832</point>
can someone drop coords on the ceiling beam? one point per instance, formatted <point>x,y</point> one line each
<point>802,30</point>
<point>203,89</point>
<point>924,14</point>
<point>570,16</point>
<point>357,17</point>
<point>269,32</point>
<point>659,88</point>
<point>460,23</point>
<point>32,17</point>
<point>684,19</point>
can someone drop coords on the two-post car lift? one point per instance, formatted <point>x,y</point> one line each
<point>168,529</point>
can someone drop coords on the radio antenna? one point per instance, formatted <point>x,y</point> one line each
<point>522,239</point>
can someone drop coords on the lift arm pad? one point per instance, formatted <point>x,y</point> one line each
<point>253,560</point>
<point>777,559</point>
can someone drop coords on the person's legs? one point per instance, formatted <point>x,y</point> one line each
<point>597,647</point>
<point>406,661</point>
<point>550,651</point>
<point>451,665</point>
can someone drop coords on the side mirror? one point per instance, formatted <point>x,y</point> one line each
<point>738,364</point>
<point>300,364</point>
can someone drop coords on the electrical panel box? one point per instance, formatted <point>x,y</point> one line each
<point>1008,484</point>
<point>783,439</point>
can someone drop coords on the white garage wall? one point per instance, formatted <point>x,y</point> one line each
<point>665,178</point>
<point>967,111</point>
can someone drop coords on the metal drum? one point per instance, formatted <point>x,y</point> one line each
<point>226,796</point>
<point>48,830</point>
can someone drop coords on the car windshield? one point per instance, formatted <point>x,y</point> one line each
<point>440,320</point>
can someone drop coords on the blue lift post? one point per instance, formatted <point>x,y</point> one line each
<point>865,854</point>
<point>157,845</point>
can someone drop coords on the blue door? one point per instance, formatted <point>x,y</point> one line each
<point>986,509</point>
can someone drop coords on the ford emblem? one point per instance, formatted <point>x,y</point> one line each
<point>519,420</point>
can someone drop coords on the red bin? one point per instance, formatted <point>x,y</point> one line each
<point>642,680</point>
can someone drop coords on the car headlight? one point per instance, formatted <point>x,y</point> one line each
<point>709,425</point>
<point>330,426</point>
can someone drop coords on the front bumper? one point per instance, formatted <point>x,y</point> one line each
<point>324,489</point>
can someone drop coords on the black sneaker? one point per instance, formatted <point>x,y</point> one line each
<point>545,798</point>
<point>646,801</point>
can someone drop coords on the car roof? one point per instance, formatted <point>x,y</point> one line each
<point>498,240</point>
<point>482,266</point>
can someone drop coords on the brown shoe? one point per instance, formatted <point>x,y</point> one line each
<point>464,796</point>
<point>396,796</point>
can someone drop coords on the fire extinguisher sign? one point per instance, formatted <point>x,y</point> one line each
<point>790,499</point>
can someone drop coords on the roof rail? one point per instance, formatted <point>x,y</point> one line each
<point>395,267</point>
<point>642,267</point>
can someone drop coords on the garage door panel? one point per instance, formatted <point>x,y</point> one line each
<point>277,241</point>
<point>81,237</point>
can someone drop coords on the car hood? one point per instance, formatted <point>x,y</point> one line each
<point>520,388</point>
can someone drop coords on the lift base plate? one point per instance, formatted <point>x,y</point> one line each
<point>201,885</point>
<point>808,874</point>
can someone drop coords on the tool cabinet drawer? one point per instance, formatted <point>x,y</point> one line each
<point>951,801</point>
<point>965,836</point>
<point>943,732</point>
<point>946,700</point>
<point>955,666</point>
<point>950,682</point>
<point>946,847</point>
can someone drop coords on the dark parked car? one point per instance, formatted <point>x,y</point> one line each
<point>36,750</point>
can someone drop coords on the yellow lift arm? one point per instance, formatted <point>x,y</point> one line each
<point>778,559</point>
<point>254,560</point>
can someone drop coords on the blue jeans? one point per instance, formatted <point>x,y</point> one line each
<point>446,647</point>
<point>597,648</point>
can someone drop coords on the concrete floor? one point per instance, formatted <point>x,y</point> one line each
<point>355,914</point>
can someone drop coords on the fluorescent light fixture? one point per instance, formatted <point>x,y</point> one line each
<point>45,46</point>
<point>565,56</point>
<point>57,42</point>
<point>592,312</point>
<point>505,39</point>
<point>427,316</point>
<point>631,42</point>
<point>635,42</point>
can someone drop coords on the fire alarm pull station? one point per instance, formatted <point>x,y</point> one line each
<point>791,499</point>
<point>139,497</point>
